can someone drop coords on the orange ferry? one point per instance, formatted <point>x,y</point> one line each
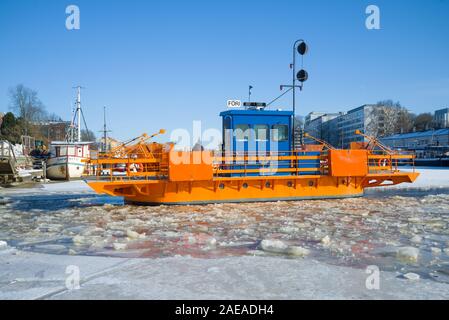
<point>257,162</point>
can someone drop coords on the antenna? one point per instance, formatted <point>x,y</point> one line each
<point>105,132</point>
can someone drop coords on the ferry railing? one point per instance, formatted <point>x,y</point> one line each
<point>242,164</point>
<point>224,164</point>
<point>382,162</point>
<point>104,167</point>
<point>251,163</point>
<point>275,163</point>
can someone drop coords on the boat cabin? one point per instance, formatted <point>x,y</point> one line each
<point>70,149</point>
<point>257,130</point>
<point>260,132</point>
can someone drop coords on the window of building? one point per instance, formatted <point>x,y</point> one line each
<point>261,132</point>
<point>279,132</point>
<point>241,132</point>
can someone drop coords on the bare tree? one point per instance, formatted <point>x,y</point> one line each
<point>405,121</point>
<point>53,117</point>
<point>423,121</point>
<point>26,104</point>
<point>390,118</point>
<point>87,135</point>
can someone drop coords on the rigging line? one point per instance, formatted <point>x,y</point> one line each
<point>279,96</point>
<point>69,133</point>
<point>85,124</point>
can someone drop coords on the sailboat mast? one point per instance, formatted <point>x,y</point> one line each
<point>105,135</point>
<point>78,111</point>
<point>72,125</point>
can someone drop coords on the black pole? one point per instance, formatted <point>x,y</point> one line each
<point>104,131</point>
<point>294,91</point>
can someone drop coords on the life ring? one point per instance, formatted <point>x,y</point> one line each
<point>134,167</point>
<point>139,167</point>
<point>384,162</point>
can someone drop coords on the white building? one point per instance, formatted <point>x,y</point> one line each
<point>441,118</point>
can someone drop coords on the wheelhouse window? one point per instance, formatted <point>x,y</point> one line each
<point>241,132</point>
<point>261,132</point>
<point>279,132</point>
<point>62,151</point>
<point>71,151</point>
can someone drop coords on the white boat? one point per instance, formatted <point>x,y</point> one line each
<point>65,159</point>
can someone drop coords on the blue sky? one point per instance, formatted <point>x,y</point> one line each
<point>163,64</point>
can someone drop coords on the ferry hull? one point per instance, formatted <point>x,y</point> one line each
<point>235,190</point>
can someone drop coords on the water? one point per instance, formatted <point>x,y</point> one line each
<point>362,231</point>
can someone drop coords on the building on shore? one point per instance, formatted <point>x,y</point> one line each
<point>312,116</point>
<point>366,118</point>
<point>441,118</point>
<point>425,144</point>
<point>53,130</point>
<point>338,129</point>
<point>329,130</point>
<point>110,144</point>
<point>315,124</point>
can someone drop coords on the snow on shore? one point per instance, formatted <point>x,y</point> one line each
<point>54,187</point>
<point>40,276</point>
<point>68,186</point>
<point>429,178</point>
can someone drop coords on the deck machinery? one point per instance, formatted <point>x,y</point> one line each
<point>256,163</point>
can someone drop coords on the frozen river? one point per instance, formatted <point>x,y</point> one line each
<point>352,232</point>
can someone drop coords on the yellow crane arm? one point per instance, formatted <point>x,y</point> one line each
<point>375,142</point>
<point>143,137</point>
<point>326,144</point>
